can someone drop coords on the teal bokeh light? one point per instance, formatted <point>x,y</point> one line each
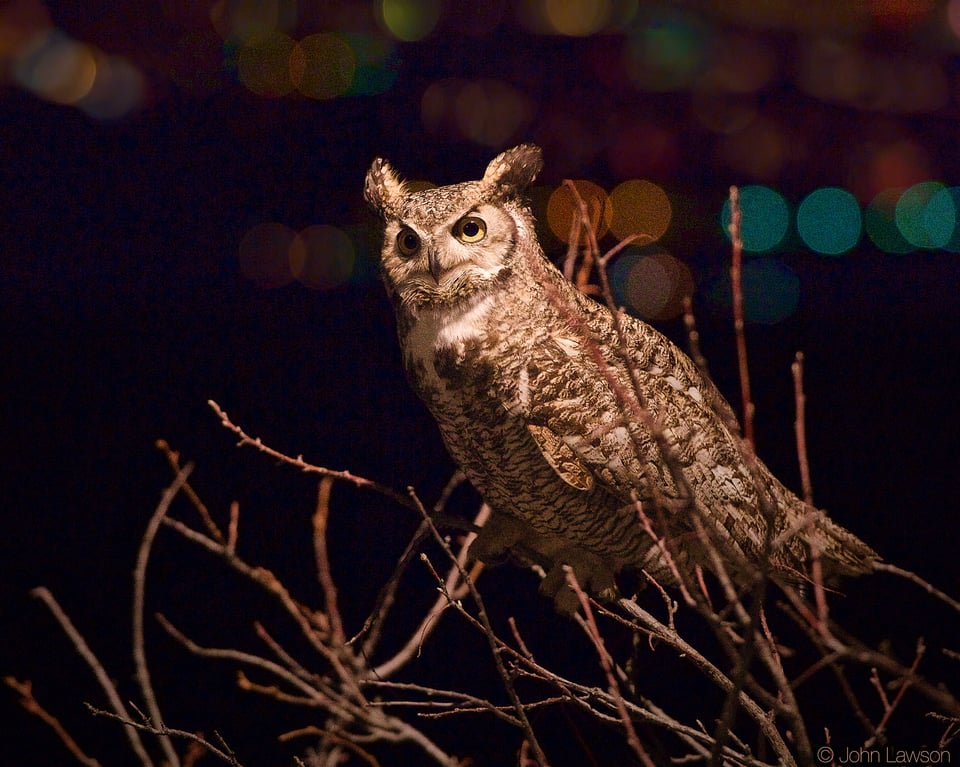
<point>771,291</point>
<point>829,221</point>
<point>925,217</point>
<point>764,220</point>
<point>945,207</point>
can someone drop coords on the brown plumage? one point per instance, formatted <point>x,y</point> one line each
<point>531,387</point>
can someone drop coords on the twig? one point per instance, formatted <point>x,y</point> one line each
<point>173,458</point>
<point>139,588</point>
<point>886,567</point>
<point>320,517</point>
<point>106,684</point>
<point>693,337</point>
<point>490,636</point>
<point>165,733</point>
<point>430,621</point>
<point>736,277</point>
<point>606,664</point>
<point>243,657</point>
<point>298,462</point>
<point>31,704</point>
<point>345,742</point>
<point>800,429</point>
<point>890,706</point>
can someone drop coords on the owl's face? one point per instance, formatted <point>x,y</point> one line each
<point>451,245</point>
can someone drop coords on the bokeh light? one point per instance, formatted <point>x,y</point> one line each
<point>945,204</point>
<point>879,221</point>
<point>643,149</point>
<point>875,166</point>
<point>771,291</point>
<point>563,210</point>
<point>53,66</point>
<point>829,221</point>
<point>250,20</point>
<point>117,89</point>
<point>376,64</point>
<point>322,257</point>
<point>640,208</point>
<point>921,224</point>
<point>322,66</point>
<point>263,65</point>
<point>576,18</point>
<point>953,16</point>
<point>264,254</point>
<point>666,52</point>
<point>765,218</point>
<point>410,20</point>
<point>57,68</point>
<point>489,112</point>
<point>652,286</point>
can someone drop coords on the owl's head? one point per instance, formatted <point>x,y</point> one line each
<point>449,245</point>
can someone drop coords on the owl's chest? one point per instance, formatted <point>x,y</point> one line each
<point>464,367</point>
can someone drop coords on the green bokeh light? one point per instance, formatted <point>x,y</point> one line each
<point>829,221</point>
<point>880,224</point>
<point>765,218</point>
<point>923,222</point>
<point>410,20</point>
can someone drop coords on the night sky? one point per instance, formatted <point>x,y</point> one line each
<point>126,303</point>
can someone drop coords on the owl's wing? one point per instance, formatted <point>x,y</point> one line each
<point>561,457</point>
<point>576,414</point>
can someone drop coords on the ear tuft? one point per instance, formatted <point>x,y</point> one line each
<point>510,172</point>
<point>383,190</point>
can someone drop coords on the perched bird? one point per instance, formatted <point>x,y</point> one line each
<point>575,431</point>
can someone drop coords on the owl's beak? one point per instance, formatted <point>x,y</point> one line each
<point>433,264</point>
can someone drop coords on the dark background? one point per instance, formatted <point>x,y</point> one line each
<point>124,308</point>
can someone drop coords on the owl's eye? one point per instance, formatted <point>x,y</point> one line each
<point>408,242</point>
<point>470,229</point>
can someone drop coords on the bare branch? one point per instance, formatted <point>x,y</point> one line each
<point>139,588</point>
<point>298,462</point>
<point>320,517</point>
<point>736,277</point>
<point>31,704</point>
<point>106,684</point>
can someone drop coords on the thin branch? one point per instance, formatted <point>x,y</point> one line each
<point>298,462</point>
<point>886,567</point>
<point>173,458</point>
<point>106,684</point>
<point>490,636</point>
<point>31,704</point>
<point>693,337</point>
<point>139,588</point>
<point>736,277</point>
<point>165,733</point>
<point>320,518</point>
<point>800,429</point>
<point>340,741</point>
<point>430,621</point>
<point>606,664</point>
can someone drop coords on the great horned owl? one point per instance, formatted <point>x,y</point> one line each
<point>530,383</point>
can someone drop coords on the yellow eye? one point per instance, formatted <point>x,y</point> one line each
<point>408,242</point>
<point>470,229</point>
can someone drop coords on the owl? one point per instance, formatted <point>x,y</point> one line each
<point>574,423</point>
